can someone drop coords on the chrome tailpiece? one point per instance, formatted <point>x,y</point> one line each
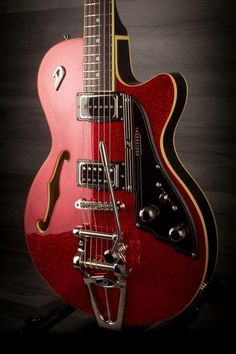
<point>104,252</point>
<point>107,285</point>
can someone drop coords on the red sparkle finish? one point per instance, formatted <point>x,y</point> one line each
<point>162,282</point>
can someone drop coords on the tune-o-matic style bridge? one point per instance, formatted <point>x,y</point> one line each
<point>102,107</point>
<point>97,205</point>
<point>91,174</point>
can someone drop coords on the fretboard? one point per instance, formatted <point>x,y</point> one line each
<point>98,45</point>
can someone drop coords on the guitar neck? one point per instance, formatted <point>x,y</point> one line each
<point>99,45</point>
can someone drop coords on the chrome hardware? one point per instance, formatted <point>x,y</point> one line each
<point>158,185</point>
<point>138,143</point>
<point>91,174</point>
<point>177,233</point>
<point>203,286</point>
<point>107,284</point>
<point>149,214</point>
<point>129,144</point>
<point>94,205</point>
<point>163,198</point>
<point>77,259</point>
<point>100,107</point>
<point>93,234</point>
<point>112,259</point>
<point>117,256</point>
<point>79,263</point>
<point>59,75</point>
<point>103,153</point>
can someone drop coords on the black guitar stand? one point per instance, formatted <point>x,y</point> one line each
<point>46,317</point>
<point>54,312</point>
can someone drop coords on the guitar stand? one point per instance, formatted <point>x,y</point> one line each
<point>54,312</point>
<point>46,317</point>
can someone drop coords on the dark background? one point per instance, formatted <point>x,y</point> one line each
<point>196,38</point>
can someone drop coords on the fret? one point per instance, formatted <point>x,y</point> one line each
<point>89,55</point>
<point>98,3</point>
<point>100,79</point>
<point>90,71</point>
<point>91,45</point>
<point>92,26</point>
<point>97,78</point>
<point>92,36</point>
<point>93,3</point>
<point>91,85</point>
<point>94,71</point>
<point>94,15</point>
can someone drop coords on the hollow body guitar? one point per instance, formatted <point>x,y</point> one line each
<point>113,221</point>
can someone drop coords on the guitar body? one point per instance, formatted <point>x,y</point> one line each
<point>114,223</point>
<point>162,281</point>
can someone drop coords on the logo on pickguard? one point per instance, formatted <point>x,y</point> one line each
<point>137,143</point>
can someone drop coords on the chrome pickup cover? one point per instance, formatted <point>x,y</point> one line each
<point>93,205</point>
<point>91,174</point>
<point>100,107</point>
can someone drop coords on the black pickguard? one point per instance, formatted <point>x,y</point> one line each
<point>151,181</point>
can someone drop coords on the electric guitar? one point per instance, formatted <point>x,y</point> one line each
<point>113,221</point>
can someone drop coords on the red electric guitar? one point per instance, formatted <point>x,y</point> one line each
<point>113,221</point>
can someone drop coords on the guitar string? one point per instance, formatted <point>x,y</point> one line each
<point>89,148</point>
<point>107,88</point>
<point>91,126</point>
<point>83,149</point>
<point>88,136</point>
<point>93,131</point>
<point>110,77</point>
<point>104,93</point>
<point>94,179</point>
<point>99,117</point>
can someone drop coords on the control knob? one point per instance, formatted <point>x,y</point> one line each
<point>149,213</point>
<point>177,233</point>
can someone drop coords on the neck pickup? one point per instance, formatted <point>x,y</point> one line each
<point>102,107</point>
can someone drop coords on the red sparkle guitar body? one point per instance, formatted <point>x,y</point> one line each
<point>162,282</point>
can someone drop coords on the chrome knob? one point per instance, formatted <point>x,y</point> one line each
<point>177,233</point>
<point>149,213</point>
<point>164,198</point>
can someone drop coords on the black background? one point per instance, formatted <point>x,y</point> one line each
<point>196,38</point>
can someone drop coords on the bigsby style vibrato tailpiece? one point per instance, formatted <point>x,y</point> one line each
<point>113,260</point>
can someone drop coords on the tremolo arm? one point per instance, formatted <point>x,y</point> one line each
<point>103,153</point>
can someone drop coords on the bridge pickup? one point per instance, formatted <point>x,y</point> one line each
<point>102,107</point>
<point>92,175</point>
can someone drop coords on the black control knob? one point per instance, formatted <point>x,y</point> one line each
<point>149,213</point>
<point>178,233</point>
